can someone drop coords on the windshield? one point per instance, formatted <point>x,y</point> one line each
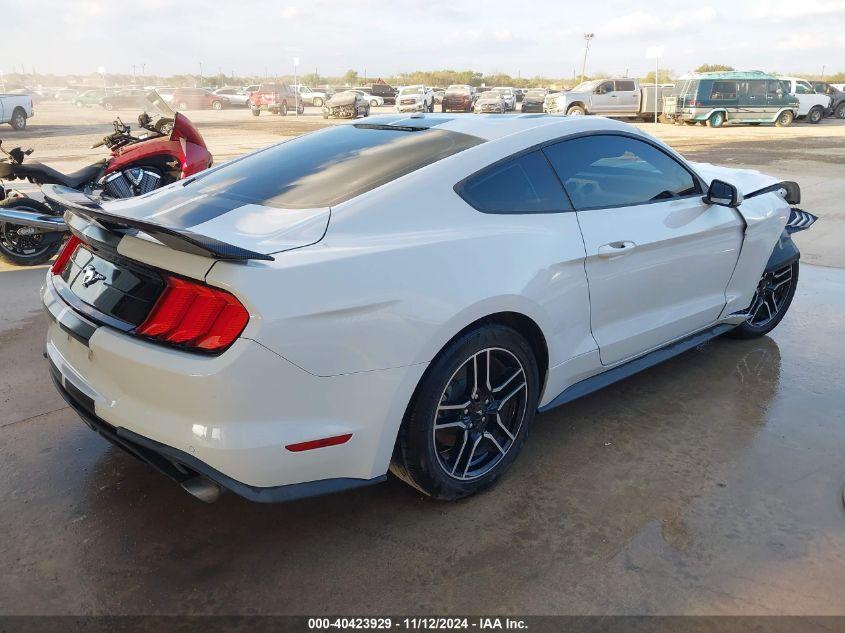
<point>490,94</point>
<point>154,104</point>
<point>414,90</point>
<point>535,94</point>
<point>458,89</point>
<point>586,86</point>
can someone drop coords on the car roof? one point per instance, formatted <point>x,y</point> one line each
<point>493,127</point>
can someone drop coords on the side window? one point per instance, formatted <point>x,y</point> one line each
<point>525,184</point>
<point>723,90</point>
<point>604,87</point>
<point>604,170</point>
<point>775,89</point>
<point>756,89</point>
<point>803,88</point>
<point>625,86</point>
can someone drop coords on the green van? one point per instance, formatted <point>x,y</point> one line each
<point>721,98</point>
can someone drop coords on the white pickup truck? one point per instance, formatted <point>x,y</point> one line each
<point>15,110</point>
<point>811,105</point>
<point>622,97</point>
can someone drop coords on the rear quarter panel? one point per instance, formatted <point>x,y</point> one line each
<point>405,267</point>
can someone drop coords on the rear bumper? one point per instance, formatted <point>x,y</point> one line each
<point>182,467</point>
<point>230,417</point>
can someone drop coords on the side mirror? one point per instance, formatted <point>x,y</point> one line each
<point>723,193</point>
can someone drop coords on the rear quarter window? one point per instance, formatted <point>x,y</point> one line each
<point>524,184</point>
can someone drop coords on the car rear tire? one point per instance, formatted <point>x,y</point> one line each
<point>840,111</point>
<point>576,111</point>
<point>255,111</point>
<point>182,105</point>
<point>470,415</point>
<point>216,105</point>
<point>815,115</point>
<point>771,301</point>
<point>18,120</point>
<point>283,110</point>
<point>108,106</point>
<point>785,119</point>
<point>317,102</point>
<point>717,119</point>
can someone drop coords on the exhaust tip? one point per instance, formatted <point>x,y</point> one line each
<point>203,489</point>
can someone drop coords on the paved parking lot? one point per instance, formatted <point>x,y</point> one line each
<point>709,484</point>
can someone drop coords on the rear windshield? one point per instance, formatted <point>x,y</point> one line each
<point>320,169</point>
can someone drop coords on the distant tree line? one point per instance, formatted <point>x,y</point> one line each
<point>350,78</point>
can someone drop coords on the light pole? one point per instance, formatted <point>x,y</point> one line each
<point>296,85</point>
<point>588,37</point>
<point>200,75</point>
<point>102,72</point>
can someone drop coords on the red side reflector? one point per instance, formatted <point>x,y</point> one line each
<point>321,443</point>
<point>192,314</point>
<point>64,255</point>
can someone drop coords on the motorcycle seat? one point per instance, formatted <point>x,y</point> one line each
<point>45,175</point>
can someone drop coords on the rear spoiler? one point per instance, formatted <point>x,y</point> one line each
<point>183,240</point>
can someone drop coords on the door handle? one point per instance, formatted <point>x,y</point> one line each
<point>615,249</point>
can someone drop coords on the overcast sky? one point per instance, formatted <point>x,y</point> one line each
<point>383,37</point>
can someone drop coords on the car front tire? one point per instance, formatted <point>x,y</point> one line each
<point>470,415</point>
<point>815,115</point>
<point>317,102</point>
<point>771,301</point>
<point>785,119</point>
<point>840,111</point>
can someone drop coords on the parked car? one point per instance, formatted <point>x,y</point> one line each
<point>312,97</point>
<point>65,94</point>
<point>508,95</point>
<point>90,97</point>
<point>385,91</point>
<point>549,102</point>
<point>459,97</point>
<point>349,104</point>
<point>439,93</point>
<point>596,251</point>
<point>721,98</point>
<point>534,99</point>
<point>520,94</point>
<point>277,98</point>
<point>490,101</point>
<point>373,100</point>
<point>197,99</point>
<point>837,98</point>
<point>15,109</point>
<point>811,105</point>
<point>415,99</point>
<point>622,97</point>
<point>235,96</point>
<point>131,99</point>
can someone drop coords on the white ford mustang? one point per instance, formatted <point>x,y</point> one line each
<point>401,293</point>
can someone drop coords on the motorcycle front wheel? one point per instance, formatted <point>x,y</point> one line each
<point>19,245</point>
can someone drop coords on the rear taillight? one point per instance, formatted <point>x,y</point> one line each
<point>65,254</point>
<point>193,315</point>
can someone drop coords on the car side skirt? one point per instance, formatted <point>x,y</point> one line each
<point>631,367</point>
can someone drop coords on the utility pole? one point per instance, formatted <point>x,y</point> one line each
<point>200,75</point>
<point>588,37</point>
<point>822,77</point>
<point>134,76</point>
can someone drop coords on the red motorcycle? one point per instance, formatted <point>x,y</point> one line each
<point>169,149</point>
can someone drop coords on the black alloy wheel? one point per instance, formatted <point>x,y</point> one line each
<point>480,413</point>
<point>470,415</point>
<point>771,301</point>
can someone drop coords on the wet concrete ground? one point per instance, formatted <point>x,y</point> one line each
<point>709,484</point>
